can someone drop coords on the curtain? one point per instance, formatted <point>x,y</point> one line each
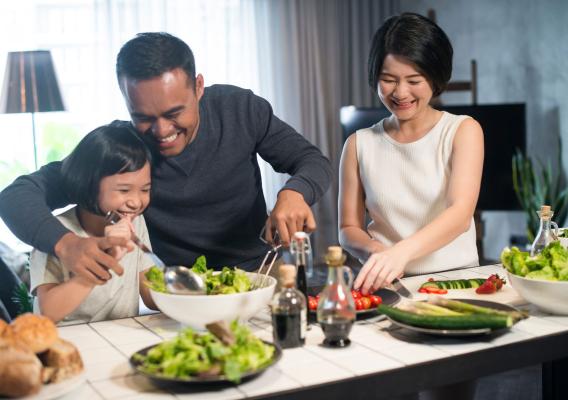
<point>307,57</point>
<point>313,58</point>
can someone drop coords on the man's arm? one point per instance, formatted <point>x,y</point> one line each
<point>25,207</point>
<point>289,152</point>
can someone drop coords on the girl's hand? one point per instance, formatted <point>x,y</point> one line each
<point>381,269</point>
<point>122,229</point>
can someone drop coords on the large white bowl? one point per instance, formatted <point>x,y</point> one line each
<point>549,296</point>
<point>198,311</point>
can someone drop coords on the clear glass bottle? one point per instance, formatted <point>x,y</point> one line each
<point>336,308</point>
<point>545,234</point>
<point>301,248</point>
<point>289,311</point>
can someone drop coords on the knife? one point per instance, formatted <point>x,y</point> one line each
<point>400,288</point>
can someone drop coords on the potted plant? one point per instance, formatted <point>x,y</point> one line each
<point>535,187</point>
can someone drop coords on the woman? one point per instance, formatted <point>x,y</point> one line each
<point>417,172</point>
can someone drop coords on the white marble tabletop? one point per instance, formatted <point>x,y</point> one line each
<point>106,347</point>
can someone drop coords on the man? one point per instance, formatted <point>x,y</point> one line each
<point>206,190</point>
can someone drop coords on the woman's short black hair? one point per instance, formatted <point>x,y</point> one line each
<point>420,41</point>
<point>151,54</point>
<point>108,150</point>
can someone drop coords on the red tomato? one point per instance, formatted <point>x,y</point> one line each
<point>312,303</point>
<point>366,302</point>
<point>376,300</point>
<point>358,304</point>
<point>356,294</point>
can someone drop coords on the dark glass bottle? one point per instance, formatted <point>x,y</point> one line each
<point>336,308</point>
<point>289,311</point>
<point>302,250</point>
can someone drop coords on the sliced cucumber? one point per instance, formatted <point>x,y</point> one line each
<point>473,321</point>
<point>455,284</point>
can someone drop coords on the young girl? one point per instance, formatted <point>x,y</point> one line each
<point>417,172</point>
<point>109,170</point>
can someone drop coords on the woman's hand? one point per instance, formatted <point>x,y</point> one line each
<point>122,229</point>
<point>381,269</point>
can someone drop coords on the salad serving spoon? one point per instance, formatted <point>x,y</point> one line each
<point>178,279</point>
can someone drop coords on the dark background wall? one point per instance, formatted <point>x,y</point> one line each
<point>521,48</point>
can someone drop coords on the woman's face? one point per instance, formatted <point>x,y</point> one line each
<point>128,193</point>
<point>404,91</point>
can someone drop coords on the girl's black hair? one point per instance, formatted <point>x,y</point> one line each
<point>108,150</point>
<point>417,39</point>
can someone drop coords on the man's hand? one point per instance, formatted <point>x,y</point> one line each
<point>87,257</point>
<point>290,215</point>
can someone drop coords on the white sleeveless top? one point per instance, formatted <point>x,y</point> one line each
<point>406,185</point>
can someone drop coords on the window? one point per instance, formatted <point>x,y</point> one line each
<point>84,37</point>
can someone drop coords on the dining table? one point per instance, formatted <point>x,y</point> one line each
<point>382,361</point>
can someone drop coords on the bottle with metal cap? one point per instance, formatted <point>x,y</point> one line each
<point>545,234</point>
<point>336,308</point>
<point>289,311</point>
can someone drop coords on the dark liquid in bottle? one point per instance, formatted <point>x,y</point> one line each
<point>302,282</point>
<point>287,330</point>
<point>337,332</point>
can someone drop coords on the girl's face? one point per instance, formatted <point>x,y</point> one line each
<point>404,91</point>
<point>128,193</point>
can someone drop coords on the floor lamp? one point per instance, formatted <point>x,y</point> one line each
<point>30,86</point>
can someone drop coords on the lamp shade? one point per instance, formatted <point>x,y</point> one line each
<point>30,83</point>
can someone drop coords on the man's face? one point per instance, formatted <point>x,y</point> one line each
<point>164,109</point>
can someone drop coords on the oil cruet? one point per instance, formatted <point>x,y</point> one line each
<point>336,308</point>
<point>545,234</point>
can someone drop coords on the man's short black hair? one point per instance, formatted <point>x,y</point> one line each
<point>151,54</point>
<point>108,150</point>
<point>417,39</point>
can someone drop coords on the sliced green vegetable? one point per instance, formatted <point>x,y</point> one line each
<point>455,284</point>
<point>467,308</point>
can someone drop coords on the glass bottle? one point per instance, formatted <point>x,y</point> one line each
<point>336,308</point>
<point>289,311</point>
<point>545,234</point>
<point>301,248</point>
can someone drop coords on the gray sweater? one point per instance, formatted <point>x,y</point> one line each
<point>208,199</point>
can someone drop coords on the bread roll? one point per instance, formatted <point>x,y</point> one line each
<point>34,332</point>
<point>61,361</point>
<point>20,372</point>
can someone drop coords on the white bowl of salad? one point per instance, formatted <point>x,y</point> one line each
<point>542,279</point>
<point>229,296</point>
